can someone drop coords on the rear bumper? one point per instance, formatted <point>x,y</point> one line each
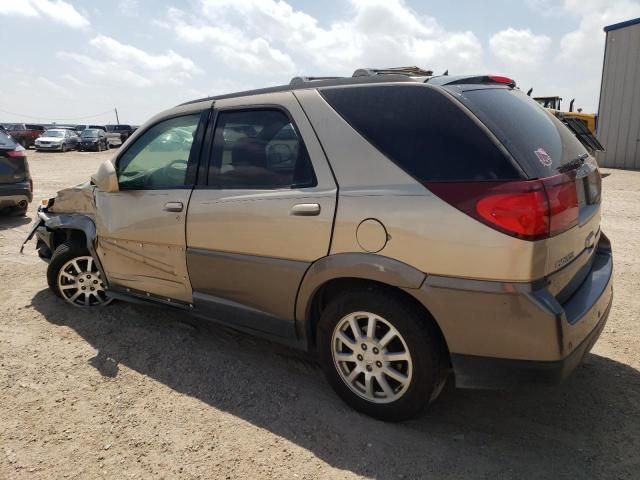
<point>15,193</point>
<point>505,334</point>
<point>486,372</point>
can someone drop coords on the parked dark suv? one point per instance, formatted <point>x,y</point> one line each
<point>125,131</point>
<point>401,226</point>
<point>16,186</point>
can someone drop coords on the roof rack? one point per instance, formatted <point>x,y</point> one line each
<point>297,81</point>
<point>410,71</point>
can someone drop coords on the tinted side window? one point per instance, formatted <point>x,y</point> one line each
<point>159,157</point>
<point>423,131</point>
<point>258,149</point>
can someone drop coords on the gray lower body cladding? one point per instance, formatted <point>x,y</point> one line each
<point>502,334</point>
<point>255,292</point>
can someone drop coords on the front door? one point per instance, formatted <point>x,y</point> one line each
<point>263,215</point>
<point>141,228</point>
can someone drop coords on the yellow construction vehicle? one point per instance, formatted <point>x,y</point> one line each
<point>582,124</point>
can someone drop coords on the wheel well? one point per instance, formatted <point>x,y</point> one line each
<point>62,235</point>
<point>330,289</point>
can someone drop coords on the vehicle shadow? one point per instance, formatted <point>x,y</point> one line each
<point>7,221</point>
<point>587,428</point>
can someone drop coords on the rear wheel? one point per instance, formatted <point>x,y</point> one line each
<point>74,276</point>
<point>381,355</point>
<point>18,211</point>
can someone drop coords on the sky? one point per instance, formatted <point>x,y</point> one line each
<point>74,61</point>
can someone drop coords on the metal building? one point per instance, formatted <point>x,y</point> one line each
<point>619,108</point>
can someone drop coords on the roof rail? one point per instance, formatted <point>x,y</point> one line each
<point>297,81</point>
<point>410,71</point>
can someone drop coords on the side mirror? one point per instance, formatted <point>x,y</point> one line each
<point>106,178</point>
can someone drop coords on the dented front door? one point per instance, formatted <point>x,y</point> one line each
<point>141,228</point>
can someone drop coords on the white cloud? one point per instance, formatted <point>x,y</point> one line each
<point>11,7</point>
<point>519,47</point>
<point>53,87</point>
<point>272,39</point>
<point>126,64</point>
<point>582,50</point>
<point>129,8</point>
<point>57,10</point>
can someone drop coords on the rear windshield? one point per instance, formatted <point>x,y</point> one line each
<point>538,141</point>
<point>423,130</point>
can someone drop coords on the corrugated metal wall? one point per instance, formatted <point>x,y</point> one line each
<point>619,110</point>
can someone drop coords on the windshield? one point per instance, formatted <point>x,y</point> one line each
<point>537,140</point>
<point>54,133</point>
<point>89,134</point>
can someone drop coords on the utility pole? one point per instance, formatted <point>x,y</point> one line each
<point>117,119</point>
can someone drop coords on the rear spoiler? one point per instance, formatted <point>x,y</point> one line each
<point>583,134</point>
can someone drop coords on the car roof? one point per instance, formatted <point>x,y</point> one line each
<point>362,77</point>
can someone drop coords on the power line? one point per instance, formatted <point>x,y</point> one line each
<point>56,118</point>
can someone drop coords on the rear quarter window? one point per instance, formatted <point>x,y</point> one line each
<point>424,131</point>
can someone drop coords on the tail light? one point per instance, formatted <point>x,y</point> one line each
<point>30,184</point>
<point>18,152</point>
<point>530,209</point>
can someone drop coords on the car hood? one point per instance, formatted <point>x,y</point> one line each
<point>78,199</point>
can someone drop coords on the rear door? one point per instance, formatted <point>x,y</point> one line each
<point>261,214</point>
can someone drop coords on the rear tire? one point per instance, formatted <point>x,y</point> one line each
<point>73,275</point>
<point>18,211</point>
<point>390,381</point>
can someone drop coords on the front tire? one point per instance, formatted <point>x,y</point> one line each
<point>381,355</point>
<point>74,276</point>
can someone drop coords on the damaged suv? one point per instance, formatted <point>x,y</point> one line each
<point>402,226</point>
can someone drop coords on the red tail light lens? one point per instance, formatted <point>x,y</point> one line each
<point>523,214</point>
<point>18,152</point>
<point>563,203</point>
<point>530,210</point>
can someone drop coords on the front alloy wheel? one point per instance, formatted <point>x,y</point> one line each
<point>80,283</point>
<point>74,276</point>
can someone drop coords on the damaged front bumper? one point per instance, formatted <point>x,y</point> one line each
<point>43,235</point>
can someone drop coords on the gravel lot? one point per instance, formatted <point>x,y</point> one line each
<point>135,392</point>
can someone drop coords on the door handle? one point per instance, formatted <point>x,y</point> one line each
<point>173,207</point>
<point>306,209</point>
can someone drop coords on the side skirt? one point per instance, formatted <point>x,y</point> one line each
<point>213,311</point>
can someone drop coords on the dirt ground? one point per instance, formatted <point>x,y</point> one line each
<point>135,392</point>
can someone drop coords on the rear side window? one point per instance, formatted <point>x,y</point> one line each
<point>423,131</point>
<point>258,149</point>
<point>538,141</point>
